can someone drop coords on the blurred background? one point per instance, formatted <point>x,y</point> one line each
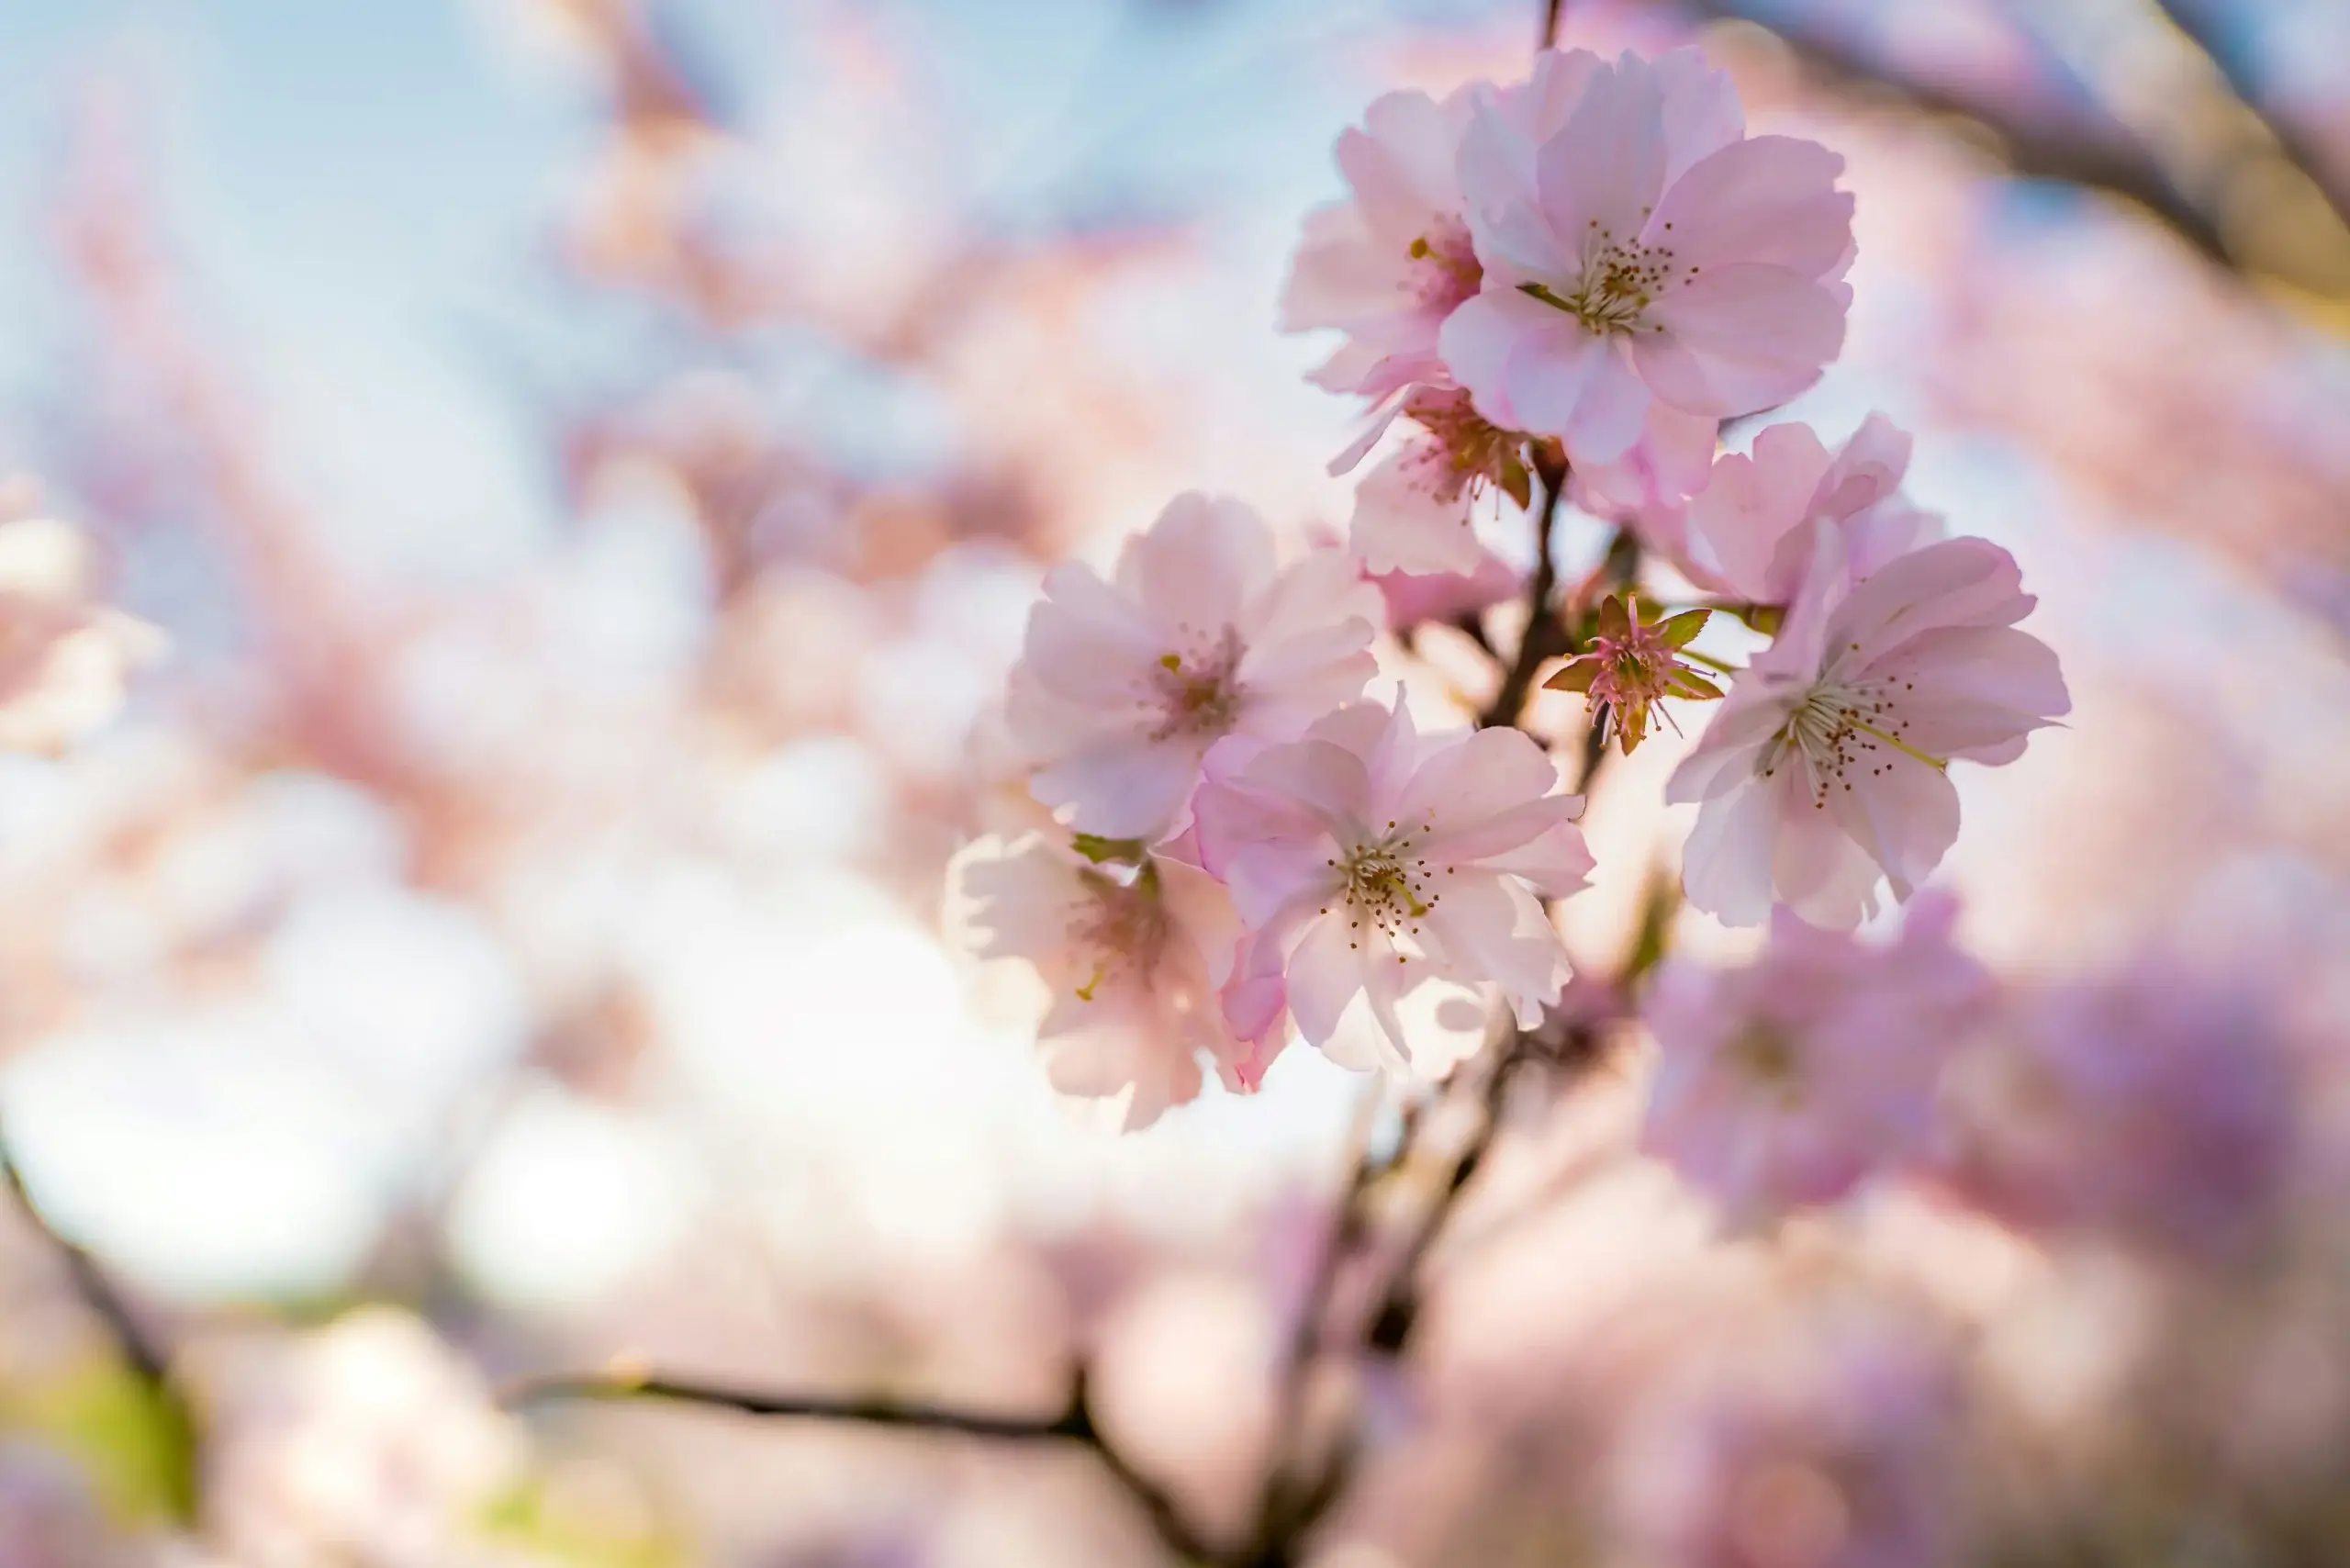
<point>593,459</point>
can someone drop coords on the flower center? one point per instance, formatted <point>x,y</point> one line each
<point>1620,279</point>
<point>1386,884</point>
<point>1839,726</point>
<point>1122,926</point>
<point>1194,690</point>
<point>1465,454</point>
<point>1445,273</point>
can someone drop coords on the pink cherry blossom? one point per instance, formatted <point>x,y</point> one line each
<point>1791,1080</point>
<point>1412,597</point>
<point>64,657</point>
<point>1135,958</point>
<point>1832,1445</point>
<point>2154,1105</point>
<point>1637,247</point>
<point>1826,767</point>
<point>1366,859</point>
<point>1743,533</point>
<point>1387,266</point>
<point>1125,685</point>
<point>1415,512</point>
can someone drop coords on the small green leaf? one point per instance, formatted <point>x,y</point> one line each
<point>1682,629</point>
<point>1099,850</point>
<point>1576,676</point>
<point>1764,617</point>
<point>1517,483</point>
<point>1696,688</point>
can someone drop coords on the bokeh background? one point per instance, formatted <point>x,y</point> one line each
<point>593,459</point>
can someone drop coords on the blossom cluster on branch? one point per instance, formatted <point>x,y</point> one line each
<point>1557,289</point>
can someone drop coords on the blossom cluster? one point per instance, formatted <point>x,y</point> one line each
<point>1572,280</point>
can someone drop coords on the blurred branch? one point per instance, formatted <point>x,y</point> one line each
<point>2118,167</point>
<point>1551,14</point>
<point>2297,148</point>
<point>146,1360</point>
<point>1074,1423</point>
<point>1279,1498</point>
<point>1543,637</point>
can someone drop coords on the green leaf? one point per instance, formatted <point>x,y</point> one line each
<point>1682,629</point>
<point>137,1438</point>
<point>1696,688</point>
<point>1517,483</point>
<point>1576,676</point>
<point>1095,847</point>
<point>1764,617</point>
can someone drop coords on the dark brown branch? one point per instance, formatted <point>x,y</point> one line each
<point>147,1361</point>
<point>1073,1423</point>
<point>1543,637</point>
<point>1551,14</point>
<point>2117,165</point>
<point>2298,149</point>
<point>1398,1312</point>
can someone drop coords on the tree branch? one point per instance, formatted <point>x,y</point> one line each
<point>1543,637</point>
<point>147,1361</point>
<point>2297,148</point>
<point>2118,167</point>
<point>1074,1423</point>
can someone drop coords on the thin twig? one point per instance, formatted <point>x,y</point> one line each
<point>1543,638</point>
<point>1073,1423</point>
<point>147,1359</point>
<point>1398,1312</point>
<point>1277,1498</point>
<point>1551,14</point>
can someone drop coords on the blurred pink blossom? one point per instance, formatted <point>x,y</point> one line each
<point>64,658</point>
<point>2153,1106</point>
<point>1791,1080</point>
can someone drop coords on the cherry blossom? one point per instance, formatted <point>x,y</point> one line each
<point>1413,512</point>
<point>1367,857</point>
<point>1136,957</point>
<point>64,658</point>
<point>1743,533</point>
<point>1413,597</point>
<point>1790,1080</point>
<point>1827,1445</point>
<point>1387,266</point>
<point>1124,684</point>
<point>1827,766</point>
<point>1632,664</point>
<point>1637,247</point>
<point>2152,1106</point>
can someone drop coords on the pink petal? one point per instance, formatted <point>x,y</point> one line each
<point>1325,973</point>
<point>1727,866</point>
<point>1602,172</point>
<point>1125,786</point>
<point>1702,113</point>
<point>1399,525</point>
<point>1085,642</point>
<point>1480,339</point>
<point>1768,199</point>
<point>1196,566</point>
<point>1740,338</point>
